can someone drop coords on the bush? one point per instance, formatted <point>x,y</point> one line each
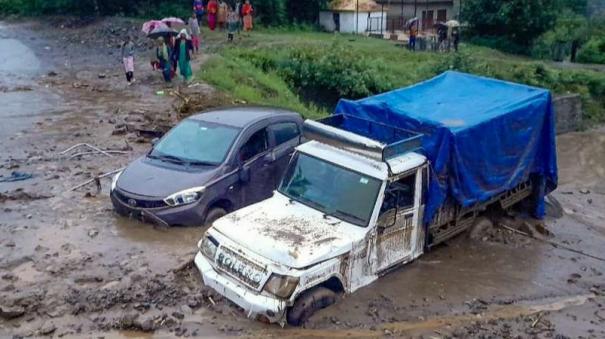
<point>593,51</point>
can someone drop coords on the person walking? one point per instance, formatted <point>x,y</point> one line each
<point>163,54</point>
<point>232,23</point>
<point>199,10</point>
<point>238,10</point>
<point>183,50</point>
<point>194,28</point>
<point>128,59</point>
<point>212,13</point>
<point>456,38</point>
<point>413,34</point>
<point>247,11</point>
<point>223,9</point>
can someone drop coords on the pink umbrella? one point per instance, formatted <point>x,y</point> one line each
<point>149,26</point>
<point>173,21</point>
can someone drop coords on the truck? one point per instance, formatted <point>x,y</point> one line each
<point>377,184</point>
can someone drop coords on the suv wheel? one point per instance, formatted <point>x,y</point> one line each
<point>309,303</point>
<point>214,214</point>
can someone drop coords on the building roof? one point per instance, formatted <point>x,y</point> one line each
<point>351,6</point>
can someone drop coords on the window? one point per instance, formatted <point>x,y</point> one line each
<point>285,132</point>
<point>442,15</point>
<point>257,144</point>
<point>400,194</point>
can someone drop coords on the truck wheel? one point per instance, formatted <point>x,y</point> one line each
<point>214,214</point>
<point>309,303</point>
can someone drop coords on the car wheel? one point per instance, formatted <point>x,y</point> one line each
<point>214,214</point>
<point>309,303</point>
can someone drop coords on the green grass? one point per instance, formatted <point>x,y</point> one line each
<point>257,68</point>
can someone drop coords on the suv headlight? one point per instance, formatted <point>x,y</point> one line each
<point>184,197</point>
<point>114,180</point>
<point>281,285</point>
<point>208,246</point>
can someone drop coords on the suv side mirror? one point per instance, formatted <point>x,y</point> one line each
<point>244,174</point>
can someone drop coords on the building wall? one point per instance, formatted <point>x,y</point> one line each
<point>348,21</point>
<point>395,12</point>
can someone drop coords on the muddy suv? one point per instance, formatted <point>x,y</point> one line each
<point>208,165</point>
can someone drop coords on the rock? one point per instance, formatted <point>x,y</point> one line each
<point>47,329</point>
<point>102,76</point>
<point>193,302</point>
<point>52,74</point>
<point>11,312</point>
<point>93,233</point>
<point>178,315</point>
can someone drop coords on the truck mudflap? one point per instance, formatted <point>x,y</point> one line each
<point>254,304</point>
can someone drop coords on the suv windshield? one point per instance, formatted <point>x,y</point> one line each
<point>196,142</point>
<point>332,189</point>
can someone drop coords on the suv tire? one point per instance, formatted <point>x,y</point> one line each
<point>308,303</point>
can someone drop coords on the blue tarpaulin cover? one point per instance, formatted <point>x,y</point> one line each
<point>482,136</point>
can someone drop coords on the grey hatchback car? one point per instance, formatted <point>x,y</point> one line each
<point>208,165</point>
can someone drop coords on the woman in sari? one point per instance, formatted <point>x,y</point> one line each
<point>247,13</point>
<point>212,13</point>
<point>223,9</point>
<point>163,55</point>
<point>182,50</point>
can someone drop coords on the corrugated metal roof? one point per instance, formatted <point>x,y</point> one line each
<point>351,5</point>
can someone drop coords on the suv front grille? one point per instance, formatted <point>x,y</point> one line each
<point>136,202</point>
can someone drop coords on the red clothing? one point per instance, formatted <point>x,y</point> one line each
<point>247,9</point>
<point>212,7</point>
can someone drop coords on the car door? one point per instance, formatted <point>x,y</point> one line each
<point>398,222</point>
<point>285,136</point>
<point>256,168</point>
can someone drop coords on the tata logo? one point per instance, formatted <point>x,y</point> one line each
<point>132,202</point>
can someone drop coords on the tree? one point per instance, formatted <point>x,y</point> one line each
<point>519,21</point>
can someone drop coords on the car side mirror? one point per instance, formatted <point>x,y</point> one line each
<point>244,174</point>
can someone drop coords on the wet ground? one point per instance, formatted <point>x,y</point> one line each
<point>70,267</point>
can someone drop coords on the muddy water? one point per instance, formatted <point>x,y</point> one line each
<point>21,103</point>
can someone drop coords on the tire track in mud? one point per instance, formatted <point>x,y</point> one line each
<point>506,312</point>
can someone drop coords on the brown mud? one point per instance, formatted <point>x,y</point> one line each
<point>70,267</point>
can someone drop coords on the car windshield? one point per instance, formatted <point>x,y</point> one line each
<point>196,142</point>
<point>334,190</point>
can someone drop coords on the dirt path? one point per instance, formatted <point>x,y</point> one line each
<point>69,267</point>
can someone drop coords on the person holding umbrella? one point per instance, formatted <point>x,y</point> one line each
<point>182,53</point>
<point>163,55</point>
<point>128,59</point>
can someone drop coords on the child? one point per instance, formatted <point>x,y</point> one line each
<point>128,59</point>
<point>232,23</point>
<point>194,27</point>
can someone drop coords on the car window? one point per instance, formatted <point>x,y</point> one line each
<point>400,194</point>
<point>285,132</point>
<point>256,144</point>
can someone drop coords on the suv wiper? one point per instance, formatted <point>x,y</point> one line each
<point>170,158</point>
<point>200,163</point>
<point>347,214</point>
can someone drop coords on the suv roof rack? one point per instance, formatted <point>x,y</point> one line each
<point>365,137</point>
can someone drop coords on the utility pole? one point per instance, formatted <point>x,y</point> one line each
<point>357,17</point>
<point>381,17</point>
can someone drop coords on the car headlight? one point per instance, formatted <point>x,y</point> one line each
<point>281,285</point>
<point>184,197</point>
<point>114,180</point>
<point>208,246</point>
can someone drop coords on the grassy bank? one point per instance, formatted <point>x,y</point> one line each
<point>309,71</point>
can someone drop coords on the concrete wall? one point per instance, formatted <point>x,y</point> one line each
<point>348,21</point>
<point>568,112</point>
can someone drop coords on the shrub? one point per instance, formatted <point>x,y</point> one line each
<point>593,51</point>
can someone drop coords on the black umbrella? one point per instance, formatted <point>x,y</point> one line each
<point>162,31</point>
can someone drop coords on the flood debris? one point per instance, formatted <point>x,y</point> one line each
<point>20,195</point>
<point>94,149</point>
<point>97,179</point>
<point>16,176</point>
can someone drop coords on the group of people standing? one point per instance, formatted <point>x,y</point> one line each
<point>175,53</point>
<point>223,15</point>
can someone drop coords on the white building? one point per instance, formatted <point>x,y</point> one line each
<point>354,16</point>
